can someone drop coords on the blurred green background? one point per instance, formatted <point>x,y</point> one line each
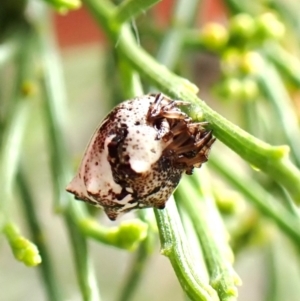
<point>243,56</point>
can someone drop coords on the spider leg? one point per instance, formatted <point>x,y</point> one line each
<point>174,103</point>
<point>158,110</point>
<point>194,127</point>
<point>182,155</point>
<point>155,109</point>
<point>173,114</point>
<point>177,143</point>
<point>204,140</point>
<point>178,128</point>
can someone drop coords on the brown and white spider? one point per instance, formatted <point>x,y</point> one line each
<point>137,155</point>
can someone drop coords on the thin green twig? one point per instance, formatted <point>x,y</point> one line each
<point>37,233</point>
<point>271,84</point>
<point>129,9</point>
<point>175,246</point>
<point>140,259</point>
<point>288,222</point>
<point>14,124</point>
<point>130,80</point>
<point>270,159</point>
<point>171,46</point>
<point>64,5</point>
<point>8,50</point>
<point>11,148</point>
<point>55,114</point>
<point>134,277</point>
<point>55,104</point>
<point>211,233</point>
<point>287,63</point>
<point>236,6</point>
<point>85,272</point>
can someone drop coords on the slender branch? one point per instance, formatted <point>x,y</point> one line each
<point>271,84</point>
<point>55,111</point>
<point>55,104</point>
<point>287,63</point>
<point>135,274</point>
<point>130,80</point>
<point>211,233</point>
<point>288,222</point>
<point>46,269</point>
<point>273,273</point>
<point>140,259</point>
<point>236,6</point>
<point>129,9</point>
<point>14,123</point>
<point>85,272</point>
<point>64,5</point>
<point>171,46</point>
<point>272,160</point>
<point>175,246</point>
<point>11,148</point>
<point>8,50</point>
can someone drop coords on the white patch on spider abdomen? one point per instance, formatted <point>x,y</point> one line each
<point>98,174</point>
<point>143,148</point>
<point>135,110</point>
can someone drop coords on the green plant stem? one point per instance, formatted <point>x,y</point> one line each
<point>8,50</point>
<point>287,63</point>
<point>246,6</point>
<point>175,246</point>
<point>85,273</point>
<point>263,129</point>
<point>171,46</point>
<point>281,270</point>
<point>64,5</point>
<point>14,123</point>
<point>260,127</point>
<point>193,241</point>
<point>212,235</point>
<point>272,160</point>
<point>55,114</point>
<point>272,87</point>
<point>140,259</point>
<point>287,221</point>
<point>46,268</point>
<point>55,104</point>
<point>130,80</point>
<point>272,271</point>
<point>255,127</point>
<point>193,41</point>
<point>11,148</point>
<point>129,9</point>
<point>134,277</point>
<point>10,53</point>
